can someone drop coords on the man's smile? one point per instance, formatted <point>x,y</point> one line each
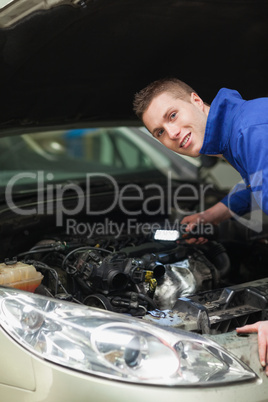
<point>185,140</point>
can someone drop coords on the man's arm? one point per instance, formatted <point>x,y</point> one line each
<point>238,202</point>
<point>214,215</point>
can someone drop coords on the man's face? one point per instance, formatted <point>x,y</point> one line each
<point>178,124</point>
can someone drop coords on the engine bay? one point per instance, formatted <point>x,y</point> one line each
<point>164,282</point>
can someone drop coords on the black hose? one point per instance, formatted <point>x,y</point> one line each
<point>140,296</point>
<point>216,253</point>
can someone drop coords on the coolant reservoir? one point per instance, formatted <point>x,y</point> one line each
<point>20,276</point>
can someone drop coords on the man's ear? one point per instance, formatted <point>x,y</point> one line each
<point>196,100</point>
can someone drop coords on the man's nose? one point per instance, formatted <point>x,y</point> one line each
<point>173,132</point>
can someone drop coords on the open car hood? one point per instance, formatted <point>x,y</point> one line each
<point>80,62</point>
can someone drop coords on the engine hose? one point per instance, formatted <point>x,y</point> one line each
<point>143,297</point>
<point>216,253</point>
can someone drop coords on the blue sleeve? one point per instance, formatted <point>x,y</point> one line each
<point>253,154</point>
<point>238,200</point>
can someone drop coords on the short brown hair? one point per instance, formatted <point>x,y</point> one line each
<point>144,97</point>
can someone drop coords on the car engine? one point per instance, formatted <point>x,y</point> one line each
<point>167,283</point>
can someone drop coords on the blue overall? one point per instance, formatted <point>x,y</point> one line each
<point>238,129</point>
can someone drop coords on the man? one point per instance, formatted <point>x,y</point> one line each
<point>229,128</point>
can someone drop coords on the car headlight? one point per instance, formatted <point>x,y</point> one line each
<point>115,346</point>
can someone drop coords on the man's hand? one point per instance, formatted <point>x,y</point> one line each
<point>261,327</point>
<point>192,221</point>
<point>214,215</point>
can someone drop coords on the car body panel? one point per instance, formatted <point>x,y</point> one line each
<point>17,370</point>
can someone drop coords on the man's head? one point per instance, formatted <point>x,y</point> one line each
<point>175,115</point>
<point>174,86</point>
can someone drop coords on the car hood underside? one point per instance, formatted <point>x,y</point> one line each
<point>81,62</point>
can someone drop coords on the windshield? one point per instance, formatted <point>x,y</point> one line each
<point>71,154</point>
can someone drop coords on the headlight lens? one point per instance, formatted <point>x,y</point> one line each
<point>113,345</point>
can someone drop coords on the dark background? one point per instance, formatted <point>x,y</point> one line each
<point>82,65</point>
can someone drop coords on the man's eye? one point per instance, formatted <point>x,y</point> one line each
<point>159,133</point>
<point>172,116</point>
